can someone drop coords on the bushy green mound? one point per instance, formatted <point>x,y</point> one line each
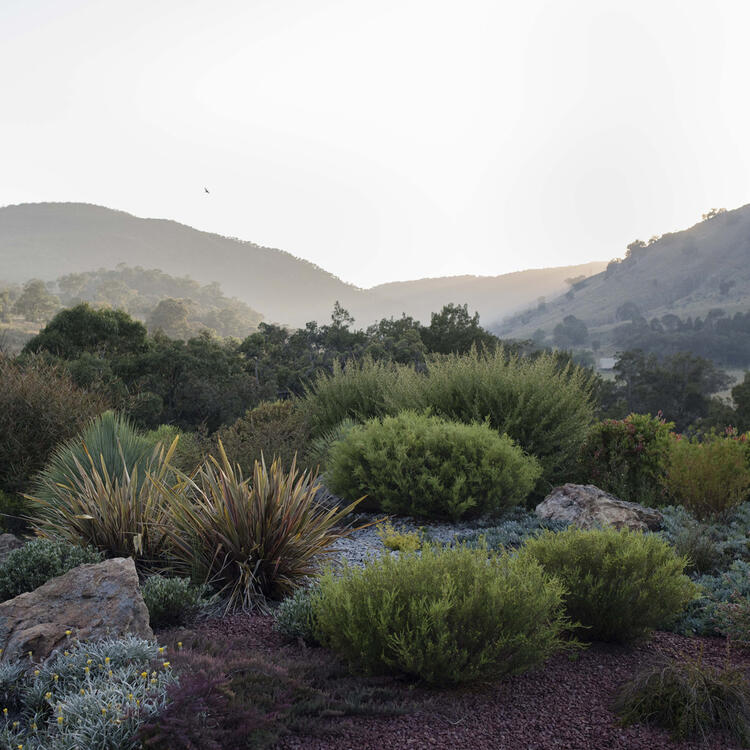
<point>619,584</point>
<point>543,406</point>
<point>172,601</point>
<point>294,617</point>
<point>426,466</point>
<point>443,615</point>
<point>690,698</point>
<point>628,457</point>
<point>38,561</point>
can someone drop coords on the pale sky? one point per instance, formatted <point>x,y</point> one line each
<point>390,139</point>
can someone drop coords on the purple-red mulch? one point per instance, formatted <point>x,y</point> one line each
<point>565,705</point>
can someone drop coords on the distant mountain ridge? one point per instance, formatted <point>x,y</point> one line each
<point>686,273</point>
<point>48,240</point>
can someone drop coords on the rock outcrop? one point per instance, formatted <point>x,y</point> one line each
<point>91,601</point>
<point>587,507</point>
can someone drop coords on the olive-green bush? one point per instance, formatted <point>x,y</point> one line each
<point>619,584</point>
<point>542,405</point>
<point>710,477</point>
<point>425,466</point>
<point>444,615</point>
<point>172,601</point>
<point>270,430</point>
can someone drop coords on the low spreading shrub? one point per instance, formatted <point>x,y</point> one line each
<point>443,615</point>
<point>708,478</point>
<point>619,584</point>
<point>93,695</point>
<point>39,408</point>
<point>545,407</point>
<point>518,525</point>
<point>628,457</point>
<point>419,465</point>
<point>294,617</point>
<point>270,430</point>
<point>38,561</point>
<point>689,698</point>
<point>172,601</point>
<point>399,541</point>
<point>250,540</point>
<point>122,516</point>
<point>703,615</point>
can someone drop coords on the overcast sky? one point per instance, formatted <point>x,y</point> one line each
<point>384,140</point>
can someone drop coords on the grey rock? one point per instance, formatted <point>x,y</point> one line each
<point>91,601</point>
<point>587,507</point>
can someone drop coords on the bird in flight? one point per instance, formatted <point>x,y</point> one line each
<point>206,189</point>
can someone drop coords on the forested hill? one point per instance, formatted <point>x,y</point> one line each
<point>50,240</point>
<point>681,275</point>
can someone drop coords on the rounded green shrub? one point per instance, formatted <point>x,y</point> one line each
<point>294,617</point>
<point>619,584</point>
<point>628,457</point>
<point>443,615</point>
<point>172,601</point>
<point>544,406</point>
<point>38,561</point>
<point>425,466</point>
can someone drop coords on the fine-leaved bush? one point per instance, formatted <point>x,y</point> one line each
<point>619,584</point>
<point>442,615</point>
<point>172,601</point>
<point>426,466</point>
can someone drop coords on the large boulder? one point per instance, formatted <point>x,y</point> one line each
<point>91,601</point>
<point>8,543</point>
<point>588,507</point>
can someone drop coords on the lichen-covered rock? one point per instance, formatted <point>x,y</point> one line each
<point>8,543</point>
<point>587,507</point>
<point>91,601</point>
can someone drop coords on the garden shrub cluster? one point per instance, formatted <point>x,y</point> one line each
<point>94,695</point>
<point>38,561</point>
<point>425,466</point>
<point>294,618</point>
<point>444,615</point>
<point>619,585</point>
<point>628,457</point>
<point>544,407</point>
<point>689,698</point>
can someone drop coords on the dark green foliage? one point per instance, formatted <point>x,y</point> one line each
<point>571,332</point>
<point>426,466</point>
<point>689,698</point>
<point>81,329</point>
<point>320,447</point>
<point>543,406</point>
<point>741,398</point>
<point>679,386</point>
<point>172,601</point>
<point>294,618</point>
<point>270,430</point>
<point>38,561</point>
<point>628,457</point>
<point>619,584</point>
<point>14,510</point>
<point>39,408</point>
<point>454,331</point>
<point>443,615</point>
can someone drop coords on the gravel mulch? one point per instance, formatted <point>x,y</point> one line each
<point>565,705</point>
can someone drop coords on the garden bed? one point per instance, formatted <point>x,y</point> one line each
<point>567,704</point>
